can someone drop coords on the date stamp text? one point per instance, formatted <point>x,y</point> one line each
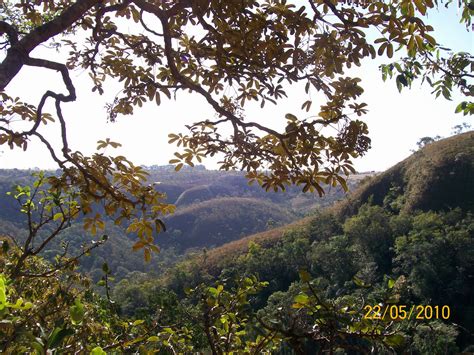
<point>401,312</point>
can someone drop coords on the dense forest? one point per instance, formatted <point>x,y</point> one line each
<point>403,239</point>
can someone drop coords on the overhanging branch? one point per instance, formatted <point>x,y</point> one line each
<point>19,51</point>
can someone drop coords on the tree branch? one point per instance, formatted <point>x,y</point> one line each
<point>18,53</point>
<point>10,31</point>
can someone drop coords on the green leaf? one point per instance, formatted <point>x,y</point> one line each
<point>98,351</point>
<point>391,283</point>
<point>76,312</point>
<point>39,350</point>
<point>302,298</point>
<point>105,268</point>
<point>213,291</point>
<point>3,293</point>
<point>460,107</point>
<point>26,305</point>
<point>359,282</point>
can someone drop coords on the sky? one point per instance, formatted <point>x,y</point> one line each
<point>396,120</point>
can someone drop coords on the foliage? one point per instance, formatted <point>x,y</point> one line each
<point>442,72</point>
<point>63,314</point>
<point>325,325</point>
<point>370,231</point>
<point>282,45</point>
<point>48,210</point>
<point>436,338</point>
<point>70,317</point>
<point>436,178</point>
<point>422,142</point>
<point>60,314</point>
<point>448,240</point>
<point>257,50</point>
<point>214,221</point>
<point>427,260</point>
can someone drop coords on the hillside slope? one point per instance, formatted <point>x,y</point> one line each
<point>220,220</point>
<point>408,231</point>
<point>438,177</point>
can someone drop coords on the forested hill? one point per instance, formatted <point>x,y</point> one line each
<point>438,177</point>
<point>411,228</point>
<point>403,238</point>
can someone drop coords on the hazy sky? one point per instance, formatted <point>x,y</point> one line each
<point>396,121</point>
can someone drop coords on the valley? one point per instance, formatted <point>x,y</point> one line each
<point>404,236</point>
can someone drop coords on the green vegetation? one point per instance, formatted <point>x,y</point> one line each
<point>425,258</point>
<point>228,54</point>
<point>404,240</point>
<point>314,287</point>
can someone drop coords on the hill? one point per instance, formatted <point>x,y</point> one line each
<point>213,207</point>
<point>438,177</point>
<point>220,220</point>
<point>404,237</point>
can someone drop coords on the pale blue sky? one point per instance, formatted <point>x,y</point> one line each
<point>396,121</point>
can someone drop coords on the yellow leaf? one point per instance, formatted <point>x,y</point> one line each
<point>147,255</point>
<point>430,39</point>
<point>420,6</point>
<point>100,224</point>
<point>138,245</point>
<point>419,42</point>
<point>154,248</point>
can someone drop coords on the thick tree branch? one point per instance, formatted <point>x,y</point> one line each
<point>18,53</point>
<point>10,31</point>
<point>59,97</point>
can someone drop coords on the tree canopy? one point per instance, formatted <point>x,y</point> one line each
<point>230,53</point>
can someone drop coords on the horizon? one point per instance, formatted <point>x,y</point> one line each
<point>396,120</point>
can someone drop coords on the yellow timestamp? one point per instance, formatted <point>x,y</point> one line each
<point>402,311</point>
